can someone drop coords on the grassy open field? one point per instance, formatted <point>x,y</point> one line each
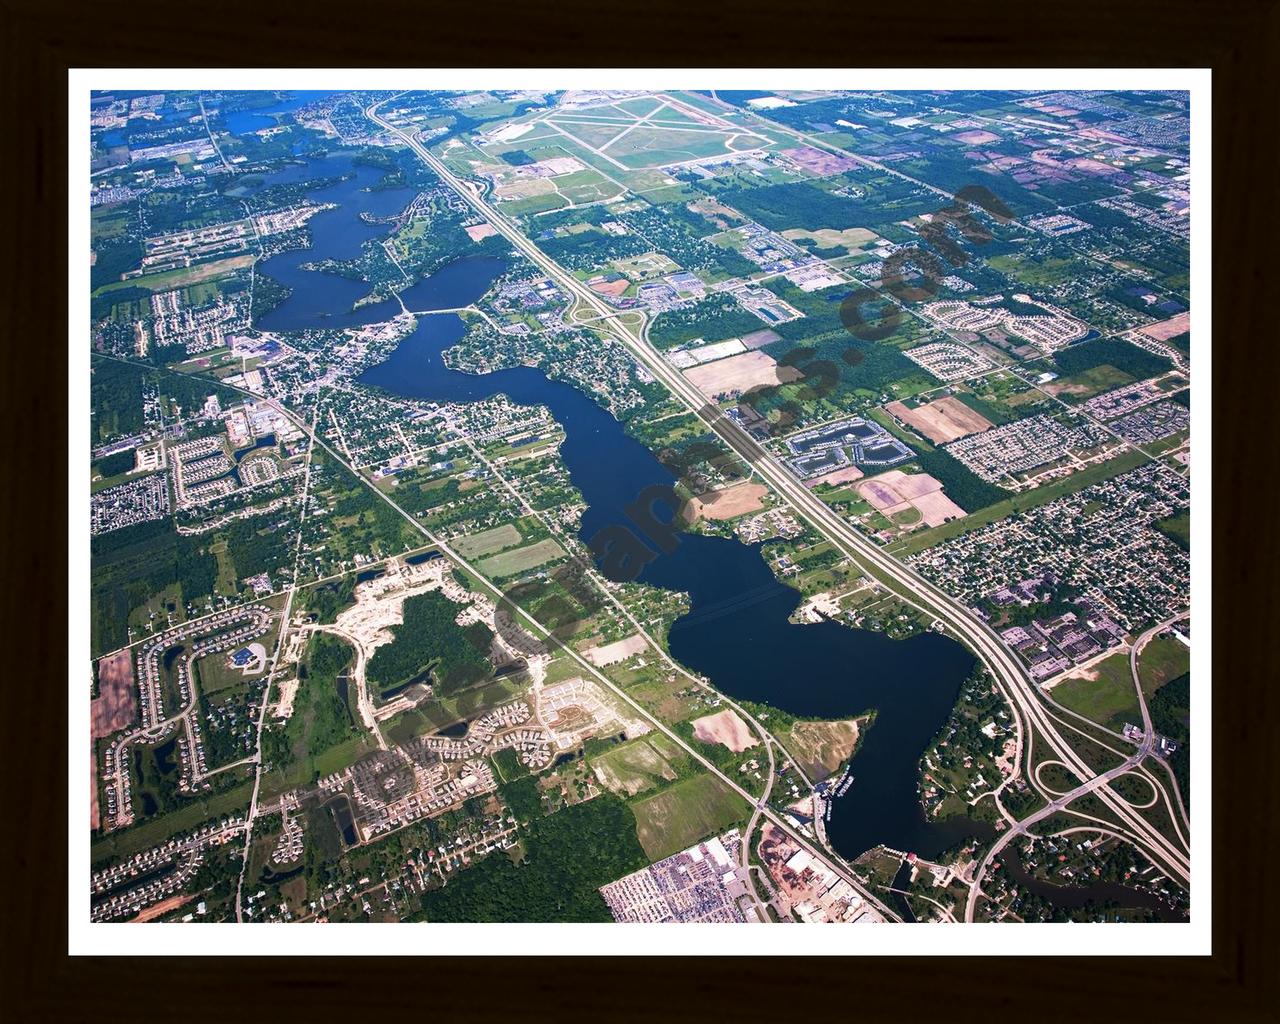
<point>849,239</point>
<point>689,811</point>
<point>1088,383</point>
<point>653,147</point>
<point>1108,699</point>
<point>183,277</point>
<point>331,759</point>
<point>519,560</point>
<point>633,767</point>
<point>215,675</point>
<point>443,711</point>
<point>1177,527</point>
<point>1164,658</point>
<point>486,542</point>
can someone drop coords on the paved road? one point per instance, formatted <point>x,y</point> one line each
<point>1053,807</point>
<point>275,664</point>
<point>1148,729</point>
<point>1134,653</point>
<point>214,142</point>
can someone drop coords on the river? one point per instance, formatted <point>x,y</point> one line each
<point>1095,895</point>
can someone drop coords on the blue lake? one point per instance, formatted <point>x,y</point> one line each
<point>242,122</point>
<point>737,632</point>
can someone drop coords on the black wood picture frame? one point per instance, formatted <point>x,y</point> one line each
<point>1238,39</point>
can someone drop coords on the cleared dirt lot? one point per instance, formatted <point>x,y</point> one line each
<point>739,373</point>
<point>759,339</point>
<point>895,491</point>
<point>850,239</point>
<point>162,908</point>
<point>611,287</point>
<point>725,728</point>
<point>112,710</point>
<point>114,706</point>
<point>727,502</point>
<point>1170,328</point>
<point>978,137</point>
<point>941,421</point>
<point>844,475</point>
<point>619,650</point>
<point>822,747</point>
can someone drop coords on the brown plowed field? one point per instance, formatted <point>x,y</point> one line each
<point>941,421</point>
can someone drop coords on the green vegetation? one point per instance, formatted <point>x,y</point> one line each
<point>679,234</point>
<point>507,762</point>
<point>795,205</point>
<point>712,319</point>
<point>520,560</point>
<point>1170,709</point>
<point>1177,528</point>
<point>1097,755</point>
<point>326,600</point>
<point>568,856</point>
<point>254,545</point>
<point>1164,658</point>
<point>359,522</point>
<point>591,250</point>
<point>131,564</point>
<point>488,542</point>
<point>156,830</point>
<point>116,390</point>
<point>962,752</point>
<point>443,711</point>
<point>840,374</point>
<point>1057,778</point>
<point>522,797</point>
<point>182,278</point>
<point>687,812</point>
<point>1089,382</point>
<point>322,719</point>
<point>430,639</point>
<point>646,763</point>
<point>114,465</point>
<point>1136,362</point>
<point>1109,698</point>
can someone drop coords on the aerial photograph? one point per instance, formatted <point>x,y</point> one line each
<point>637,505</point>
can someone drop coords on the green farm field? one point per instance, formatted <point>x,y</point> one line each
<point>689,811</point>
<point>519,560</point>
<point>1108,699</point>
